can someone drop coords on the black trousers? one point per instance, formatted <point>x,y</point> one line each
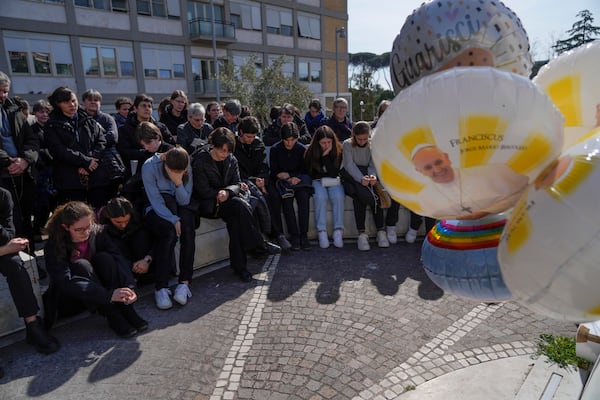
<point>164,245</point>
<point>244,235</point>
<point>391,216</point>
<point>416,220</point>
<point>297,227</point>
<point>19,284</point>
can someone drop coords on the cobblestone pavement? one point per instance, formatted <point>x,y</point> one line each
<point>322,324</point>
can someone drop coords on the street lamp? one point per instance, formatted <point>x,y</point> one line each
<point>339,33</point>
<point>362,109</point>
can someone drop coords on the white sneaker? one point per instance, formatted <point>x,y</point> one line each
<point>382,240</point>
<point>363,242</point>
<point>182,293</point>
<point>338,238</point>
<point>162,299</point>
<point>323,240</point>
<point>392,236</point>
<point>410,236</point>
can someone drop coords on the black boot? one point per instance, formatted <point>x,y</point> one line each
<point>1,373</point>
<point>117,322</point>
<point>133,318</point>
<point>37,336</point>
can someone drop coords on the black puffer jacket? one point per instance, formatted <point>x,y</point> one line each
<point>252,159</point>
<point>171,121</point>
<point>73,149</point>
<point>208,180</point>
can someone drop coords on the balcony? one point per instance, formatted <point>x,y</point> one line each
<point>201,30</point>
<point>206,86</point>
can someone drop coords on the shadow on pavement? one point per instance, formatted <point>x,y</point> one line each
<point>387,269</point>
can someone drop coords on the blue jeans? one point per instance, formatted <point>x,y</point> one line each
<point>336,195</point>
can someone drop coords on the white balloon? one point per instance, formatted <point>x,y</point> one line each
<point>572,80</point>
<point>497,129</point>
<point>550,249</point>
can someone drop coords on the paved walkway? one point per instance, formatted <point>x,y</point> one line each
<point>323,324</point>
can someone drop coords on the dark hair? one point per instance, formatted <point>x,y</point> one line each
<point>222,137</point>
<point>146,132</point>
<point>315,103</point>
<point>123,100</point>
<point>274,112</point>
<point>176,158</point>
<point>142,97</point>
<point>246,112</point>
<point>233,107</point>
<point>41,105</point>
<point>249,124</point>
<point>117,207</point>
<point>91,94</point>
<point>312,157</point>
<point>66,214</point>
<point>60,94</point>
<point>178,93</point>
<point>360,128</point>
<point>289,129</point>
<point>163,105</point>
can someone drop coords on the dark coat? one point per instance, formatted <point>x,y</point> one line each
<point>171,121</point>
<point>290,161</point>
<point>190,138</point>
<point>272,133</point>
<point>26,141</point>
<point>73,149</point>
<point>208,180</point>
<point>58,266</point>
<point>343,130</point>
<point>129,146</point>
<point>221,122</point>
<point>252,159</point>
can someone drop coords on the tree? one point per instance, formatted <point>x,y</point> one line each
<point>363,84</point>
<point>263,87</point>
<point>581,32</point>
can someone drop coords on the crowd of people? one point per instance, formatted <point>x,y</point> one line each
<point>116,193</point>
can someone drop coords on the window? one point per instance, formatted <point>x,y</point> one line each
<point>279,21</point>
<point>18,62</point>
<point>287,67</point>
<point>163,62</point>
<point>241,58</point>
<point>114,5</point>
<point>38,54</point>
<point>246,16</point>
<point>203,12</point>
<point>155,8</point>
<point>103,61</point>
<point>309,70</point>
<point>309,26</point>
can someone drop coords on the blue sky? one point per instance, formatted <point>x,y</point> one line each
<point>373,24</point>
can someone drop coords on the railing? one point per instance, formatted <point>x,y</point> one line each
<point>204,27</point>
<point>205,86</point>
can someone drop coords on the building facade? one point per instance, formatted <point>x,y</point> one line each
<point>125,47</point>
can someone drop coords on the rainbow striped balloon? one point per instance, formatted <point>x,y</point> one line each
<point>460,256</point>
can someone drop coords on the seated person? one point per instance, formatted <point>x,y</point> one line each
<point>167,180</point>
<point>84,263</point>
<point>194,133</point>
<point>19,282</point>
<point>124,225</point>
<point>287,113</point>
<point>217,186</point>
<point>291,181</point>
<point>323,162</point>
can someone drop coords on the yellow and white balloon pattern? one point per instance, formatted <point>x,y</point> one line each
<point>486,120</point>
<point>572,80</point>
<point>549,251</point>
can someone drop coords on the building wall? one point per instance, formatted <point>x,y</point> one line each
<point>79,26</point>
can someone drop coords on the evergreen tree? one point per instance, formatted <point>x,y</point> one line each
<point>581,32</point>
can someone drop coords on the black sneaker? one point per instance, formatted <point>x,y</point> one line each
<point>296,244</point>
<point>305,244</point>
<point>133,318</point>
<point>36,335</point>
<point>118,323</point>
<point>245,275</point>
<point>283,242</point>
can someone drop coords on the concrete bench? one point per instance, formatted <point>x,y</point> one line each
<point>212,243</point>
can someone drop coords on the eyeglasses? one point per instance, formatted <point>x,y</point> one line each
<point>83,229</point>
